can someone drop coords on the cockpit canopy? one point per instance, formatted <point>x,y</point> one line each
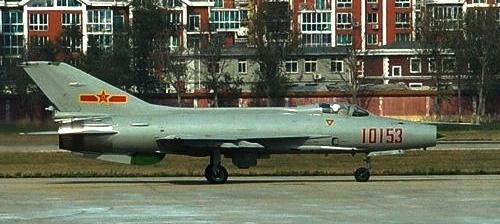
<point>340,108</point>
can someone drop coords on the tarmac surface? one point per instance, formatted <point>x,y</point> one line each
<point>384,199</point>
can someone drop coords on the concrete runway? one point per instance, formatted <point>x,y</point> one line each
<point>385,199</point>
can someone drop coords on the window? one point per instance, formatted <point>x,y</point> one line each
<point>310,65</point>
<point>402,37</point>
<point>291,66</point>
<point>40,3</point>
<point>344,39</point>
<point>372,17</point>
<point>12,22</point>
<point>344,20</point>
<point>449,65</point>
<point>432,65</point>
<point>174,18</point>
<point>344,3</point>
<point>194,23</point>
<point>337,65</point>
<point>12,38</point>
<point>38,41</point>
<point>71,44</point>
<point>402,20</point>
<point>39,21</point>
<point>322,4</point>
<point>478,1</point>
<point>402,3</point>
<point>214,68</point>
<point>447,17</point>
<point>172,3</point>
<point>118,22</point>
<point>371,39</point>
<point>396,71</point>
<point>100,27</point>
<point>102,41</point>
<point>99,21</point>
<point>219,3</point>
<point>174,41</point>
<point>224,19</point>
<point>312,21</point>
<point>193,41</point>
<point>70,3</point>
<point>415,65</point>
<point>12,44</point>
<point>69,20</point>
<point>317,39</point>
<point>371,1</point>
<point>242,66</point>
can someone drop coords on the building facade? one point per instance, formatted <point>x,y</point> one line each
<point>378,34</point>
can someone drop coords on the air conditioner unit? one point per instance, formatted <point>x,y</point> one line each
<point>375,26</point>
<point>415,85</point>
<point>375,6</point>
<point>317,76</point>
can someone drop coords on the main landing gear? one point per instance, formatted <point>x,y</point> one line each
<point>362,174</point>
<point>215,172</point>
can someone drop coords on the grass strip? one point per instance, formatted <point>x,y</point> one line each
<point>63,164</point>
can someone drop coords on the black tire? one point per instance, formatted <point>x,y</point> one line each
<point>218,177</point>
<point>362,174</point>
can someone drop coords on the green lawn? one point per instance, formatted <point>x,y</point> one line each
<point>62,164</point>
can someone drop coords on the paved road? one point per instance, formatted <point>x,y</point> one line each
<point>386,199</point>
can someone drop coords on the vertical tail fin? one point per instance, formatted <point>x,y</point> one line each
<point>72,90</point>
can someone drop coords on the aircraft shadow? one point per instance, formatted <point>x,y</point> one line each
<point>202,181</point>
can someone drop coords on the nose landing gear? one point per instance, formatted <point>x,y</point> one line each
<point>362,174</point>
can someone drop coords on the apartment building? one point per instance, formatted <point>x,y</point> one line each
<point>378,32</point>
<point>30,23</point>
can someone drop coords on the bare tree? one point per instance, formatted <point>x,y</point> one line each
<point>158,59</point>
<point>482,46</point>
<point>436,32</point>
<point>271,33</point>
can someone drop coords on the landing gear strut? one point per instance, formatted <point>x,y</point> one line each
<point>215,172</point>
<point>362,174</point>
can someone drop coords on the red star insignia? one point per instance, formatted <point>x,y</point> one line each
<point>103,97</point>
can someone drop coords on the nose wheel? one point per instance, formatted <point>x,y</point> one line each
<point>362,174</point>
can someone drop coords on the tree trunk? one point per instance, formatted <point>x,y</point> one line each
<point>179,98</point>
<point>481,100</point>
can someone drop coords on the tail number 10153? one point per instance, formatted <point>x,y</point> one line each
<point>382,135</point>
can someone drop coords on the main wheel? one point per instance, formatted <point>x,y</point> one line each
<point>362,174</point>
<point>218,177</point>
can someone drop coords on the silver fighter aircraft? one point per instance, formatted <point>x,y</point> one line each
<point>100,121</point>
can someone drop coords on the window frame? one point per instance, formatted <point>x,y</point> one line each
<point>291,66</point>
<point>335,64</point>
<point>343,20</point>
<point>418,66</point>
<point>310,65</point>
<point>38,21</point>
<point>242,66</point>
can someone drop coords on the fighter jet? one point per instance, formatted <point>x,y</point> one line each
<point>100,121</point>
